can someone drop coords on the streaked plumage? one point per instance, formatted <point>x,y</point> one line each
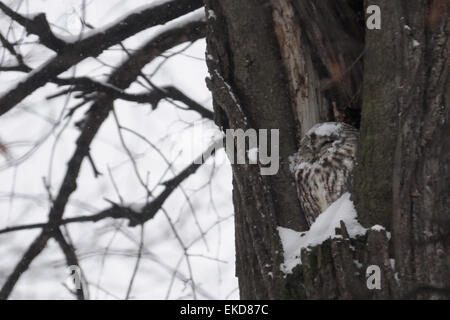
<point>323,166</point>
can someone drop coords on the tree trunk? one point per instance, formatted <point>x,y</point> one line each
<point>289,64</point>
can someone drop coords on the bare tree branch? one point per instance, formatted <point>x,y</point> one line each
<point>38,25</point>
<point>71,258</point>
<point>117,211</point>
<point>150,209</point>
<point>122,77</point>
<point>87,86</point>
<point>18,68</point>
<point>94,44</point>
<point>8,46</point>
<point>32,252</point>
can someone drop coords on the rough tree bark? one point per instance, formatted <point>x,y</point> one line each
<point>288,64</point>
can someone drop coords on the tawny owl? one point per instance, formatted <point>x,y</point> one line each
<point>323,166</point>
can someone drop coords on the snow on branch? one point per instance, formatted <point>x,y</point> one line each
<point>323,228</point>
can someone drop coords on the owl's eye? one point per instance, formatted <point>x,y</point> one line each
<point>326,143</point>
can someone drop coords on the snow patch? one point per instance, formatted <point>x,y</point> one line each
<point>377,227</point>
<point>415,43</point>
<point>325,129</point>
<point>322,229</point>
<point>397,278</point>
<point>211,14</point>
<point>392,262</point>
<point>358,264</point>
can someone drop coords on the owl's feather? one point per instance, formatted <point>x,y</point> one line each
<point>323,166</point>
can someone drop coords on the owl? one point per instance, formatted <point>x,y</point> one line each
<point>323,166</point>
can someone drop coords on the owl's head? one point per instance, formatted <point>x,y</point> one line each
<point>324,138</point>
